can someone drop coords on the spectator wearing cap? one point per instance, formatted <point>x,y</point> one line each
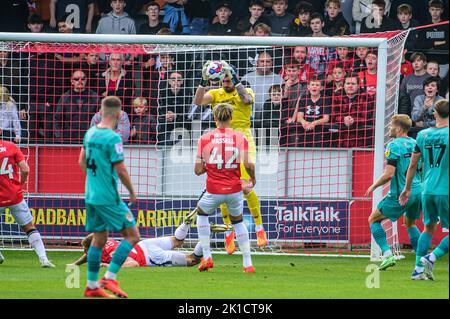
<point>299,27</point>
<point>80,13</point>
<point>175,17</point>
<point>377,21</point>
<point>224,26</point>
<point>117,21</point>
<point>280,20</point>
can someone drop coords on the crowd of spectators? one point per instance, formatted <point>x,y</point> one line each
<point>316,96</point>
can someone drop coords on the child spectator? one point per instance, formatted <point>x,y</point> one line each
<point>153,24</point>
<point>313,113</point>
<point>359,63</point>
<point>175,17</point>
<point>280,20</point>
<point>117,21</point>
<point>9,117</point>
<point>225,25</point>
<point>262,30</point>
<point>143,124</point>
<point>299,27</point>
<point>362,9</point>
<point>334,88</point>
<point>412,85</point>
<point>343,57</point>
<point>335,23</point>
<point>423,107</point>
<point>79,13</point>
<point>272,107</point>
<point>296,77</point>
<point>435,38</point>
<point>35,23</point>
<point>433,70</point>
<point>377,21</point>
<point>319,57</point>
<point>256,10</point>
<point>368,78</point>
<point>404,22</point>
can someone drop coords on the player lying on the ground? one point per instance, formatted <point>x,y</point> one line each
<point>219,154</point>
<point>398,155</point>
<point>13,174</point>
<point>155,251</point>
<point>432,148</point>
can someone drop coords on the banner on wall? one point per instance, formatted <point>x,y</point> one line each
<point>304,221</point>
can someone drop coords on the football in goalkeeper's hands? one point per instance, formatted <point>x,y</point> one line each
<point>215,71</point>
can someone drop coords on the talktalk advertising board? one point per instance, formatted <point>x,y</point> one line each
<point>303,221</point>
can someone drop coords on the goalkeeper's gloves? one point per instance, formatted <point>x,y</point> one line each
<point>204,82</point>
<point>231,73</point>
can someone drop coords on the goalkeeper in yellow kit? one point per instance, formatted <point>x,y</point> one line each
<point>242,99</point>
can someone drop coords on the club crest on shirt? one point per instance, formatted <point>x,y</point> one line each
<point>387,152</point>
<point>129,216</point>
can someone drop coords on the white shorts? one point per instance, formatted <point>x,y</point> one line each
<point>21,213</point>
<point>158,251</point>
<point>210,202</point>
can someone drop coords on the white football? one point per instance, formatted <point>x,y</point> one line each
<point>215,71</point>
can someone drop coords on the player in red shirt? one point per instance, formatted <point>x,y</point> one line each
<point>13,174</point>
<point>154,251</point>
<point>219,154</point>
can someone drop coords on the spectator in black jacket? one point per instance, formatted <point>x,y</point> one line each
<point>174,104</point>
<point>437,37</point>
<point>404,22</point>
<point>74,111</point>
<point>377,21</point>
<point>256,10</point>
<point>153,24</point>
<point>13,15</point>
<point>299,26</point>
<point>225,25</point>
<point>335,23</point>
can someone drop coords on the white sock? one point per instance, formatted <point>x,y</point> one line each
<point>110,275</point>
<point>35,240</point>
<point>182,231</point>
<point>433,257</point>
<point>244,242</point>
<point>92,284</point>
<point>387,253</point>
<point>419,269</point>
<point>198,250</point>
<point>259,227</point>
<point>204,233</point>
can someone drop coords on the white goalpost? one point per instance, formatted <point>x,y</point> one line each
<point>310,193</point>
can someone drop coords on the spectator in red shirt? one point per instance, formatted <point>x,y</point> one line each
<point>368,78</point>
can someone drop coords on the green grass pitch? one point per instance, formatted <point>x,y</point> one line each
<point>276,277</point>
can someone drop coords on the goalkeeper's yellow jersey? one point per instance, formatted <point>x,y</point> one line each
<point>242,113</point>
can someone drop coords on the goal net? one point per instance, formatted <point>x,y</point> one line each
<point>318,103</point>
